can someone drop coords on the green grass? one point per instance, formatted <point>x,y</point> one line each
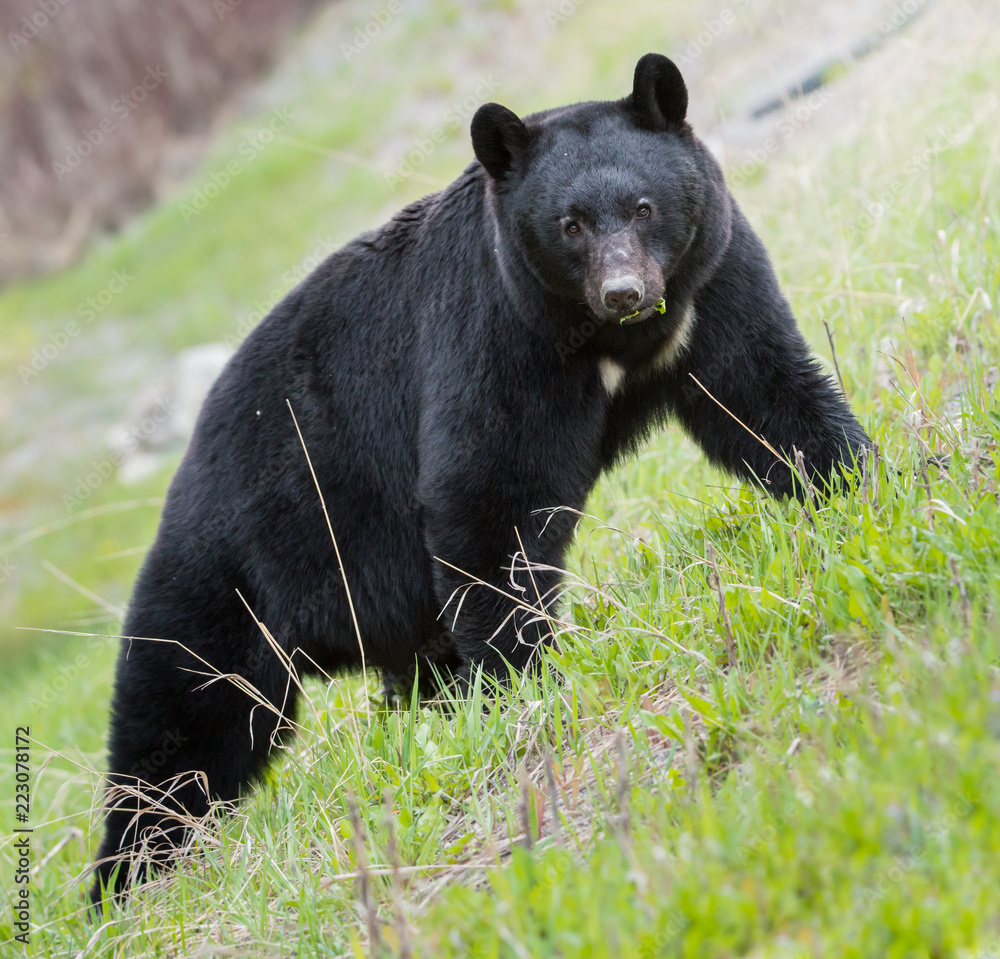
<point>825,784</point>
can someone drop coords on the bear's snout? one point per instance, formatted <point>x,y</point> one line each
<point>622,294</point>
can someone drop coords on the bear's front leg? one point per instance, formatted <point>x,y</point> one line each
<point>496,576</point>
<point>748,373</point>
<point>491,489</point>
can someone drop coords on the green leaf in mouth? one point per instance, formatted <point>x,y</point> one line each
<point>661,306</point>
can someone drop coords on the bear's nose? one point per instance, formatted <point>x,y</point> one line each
<point>622,294</point>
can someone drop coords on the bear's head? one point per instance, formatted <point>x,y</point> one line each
<point>603,200</point>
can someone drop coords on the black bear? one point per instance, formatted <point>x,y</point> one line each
<point>455,374</point>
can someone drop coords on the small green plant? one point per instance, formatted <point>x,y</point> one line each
<point>660,306</point>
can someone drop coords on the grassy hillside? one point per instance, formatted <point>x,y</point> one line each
<point>772,729</point>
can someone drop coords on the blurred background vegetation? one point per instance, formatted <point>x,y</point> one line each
<point>131,88</point>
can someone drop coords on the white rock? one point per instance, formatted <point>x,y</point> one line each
<point>163,415</point>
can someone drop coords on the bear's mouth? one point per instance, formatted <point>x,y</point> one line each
<point>660,306</point>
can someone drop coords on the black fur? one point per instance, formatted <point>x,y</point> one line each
<point>446,371</point>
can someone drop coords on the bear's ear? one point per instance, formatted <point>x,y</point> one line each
<point>659,97</point>
<point>499,138</point>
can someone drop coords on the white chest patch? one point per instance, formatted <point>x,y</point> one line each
<point>676,345</point>
<point>612,375</point>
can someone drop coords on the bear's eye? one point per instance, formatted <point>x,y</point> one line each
<point>643,210</point>
<point>573,228</point>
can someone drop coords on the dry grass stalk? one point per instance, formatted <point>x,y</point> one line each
<point>715,581</point>
<point>400,921</point>
<point>366,895</point>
